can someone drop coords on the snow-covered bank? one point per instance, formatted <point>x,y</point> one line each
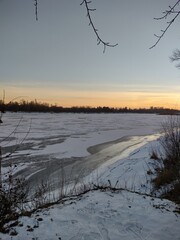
<point>102,215</point>
<point>108,215</point>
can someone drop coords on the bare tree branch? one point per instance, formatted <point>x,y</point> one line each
<point>168,12</point>
<point>21,141</point>
<point>88,10</point>
<point>99,39</point>
<point>36,9</point>
<point>171,12</point>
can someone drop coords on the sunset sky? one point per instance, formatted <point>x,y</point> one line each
<point>57,60</point>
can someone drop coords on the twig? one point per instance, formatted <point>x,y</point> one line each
<point>99,39</point>
<point>20,143</point>
<point>168,12</point>
<point>36,9</point>
<point>13,132</point>
<point>165,15</point>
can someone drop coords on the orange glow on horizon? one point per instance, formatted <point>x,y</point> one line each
<point>86,98</point>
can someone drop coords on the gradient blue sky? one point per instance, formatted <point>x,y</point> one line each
<point>56,59</point>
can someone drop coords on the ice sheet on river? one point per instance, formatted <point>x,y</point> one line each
<point>72,138</point>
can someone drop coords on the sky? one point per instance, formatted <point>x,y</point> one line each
<point>57,60</point>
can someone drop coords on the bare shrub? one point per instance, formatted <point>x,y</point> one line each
<point>165,176</point>
<point>174,194</point>
<point>41,195</point>
<point>169,172</point>
<point>13,196</point>
<point>170,142</point>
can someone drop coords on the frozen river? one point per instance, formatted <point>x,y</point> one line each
<point>36,145</point>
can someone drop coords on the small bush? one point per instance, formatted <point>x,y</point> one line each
<point>169,173</point>
<point>13,195</point>
<point>174,194</point>
<point>40,197</point>
<point>165,176</point>
<point>170,142</point>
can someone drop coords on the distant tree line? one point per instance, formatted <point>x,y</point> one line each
<point>34,106</point>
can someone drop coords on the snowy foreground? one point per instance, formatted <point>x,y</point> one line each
<point>107,215</point>
<point>97,215</point>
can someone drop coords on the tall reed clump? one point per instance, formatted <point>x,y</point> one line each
<point>169,173</point>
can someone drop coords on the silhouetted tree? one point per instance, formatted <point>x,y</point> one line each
<point>176,57</point>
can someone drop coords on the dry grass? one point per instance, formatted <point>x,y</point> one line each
<point>169,172</point>
<point>174,194</point>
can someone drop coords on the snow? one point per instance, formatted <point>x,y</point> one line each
<point>125,214</point>
<point>47,137</point>
<point>69,135</point>
<point>103,215</point>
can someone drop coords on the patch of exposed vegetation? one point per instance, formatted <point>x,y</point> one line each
<point>168,171</point>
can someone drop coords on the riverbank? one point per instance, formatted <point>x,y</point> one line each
<point>126,214</point>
